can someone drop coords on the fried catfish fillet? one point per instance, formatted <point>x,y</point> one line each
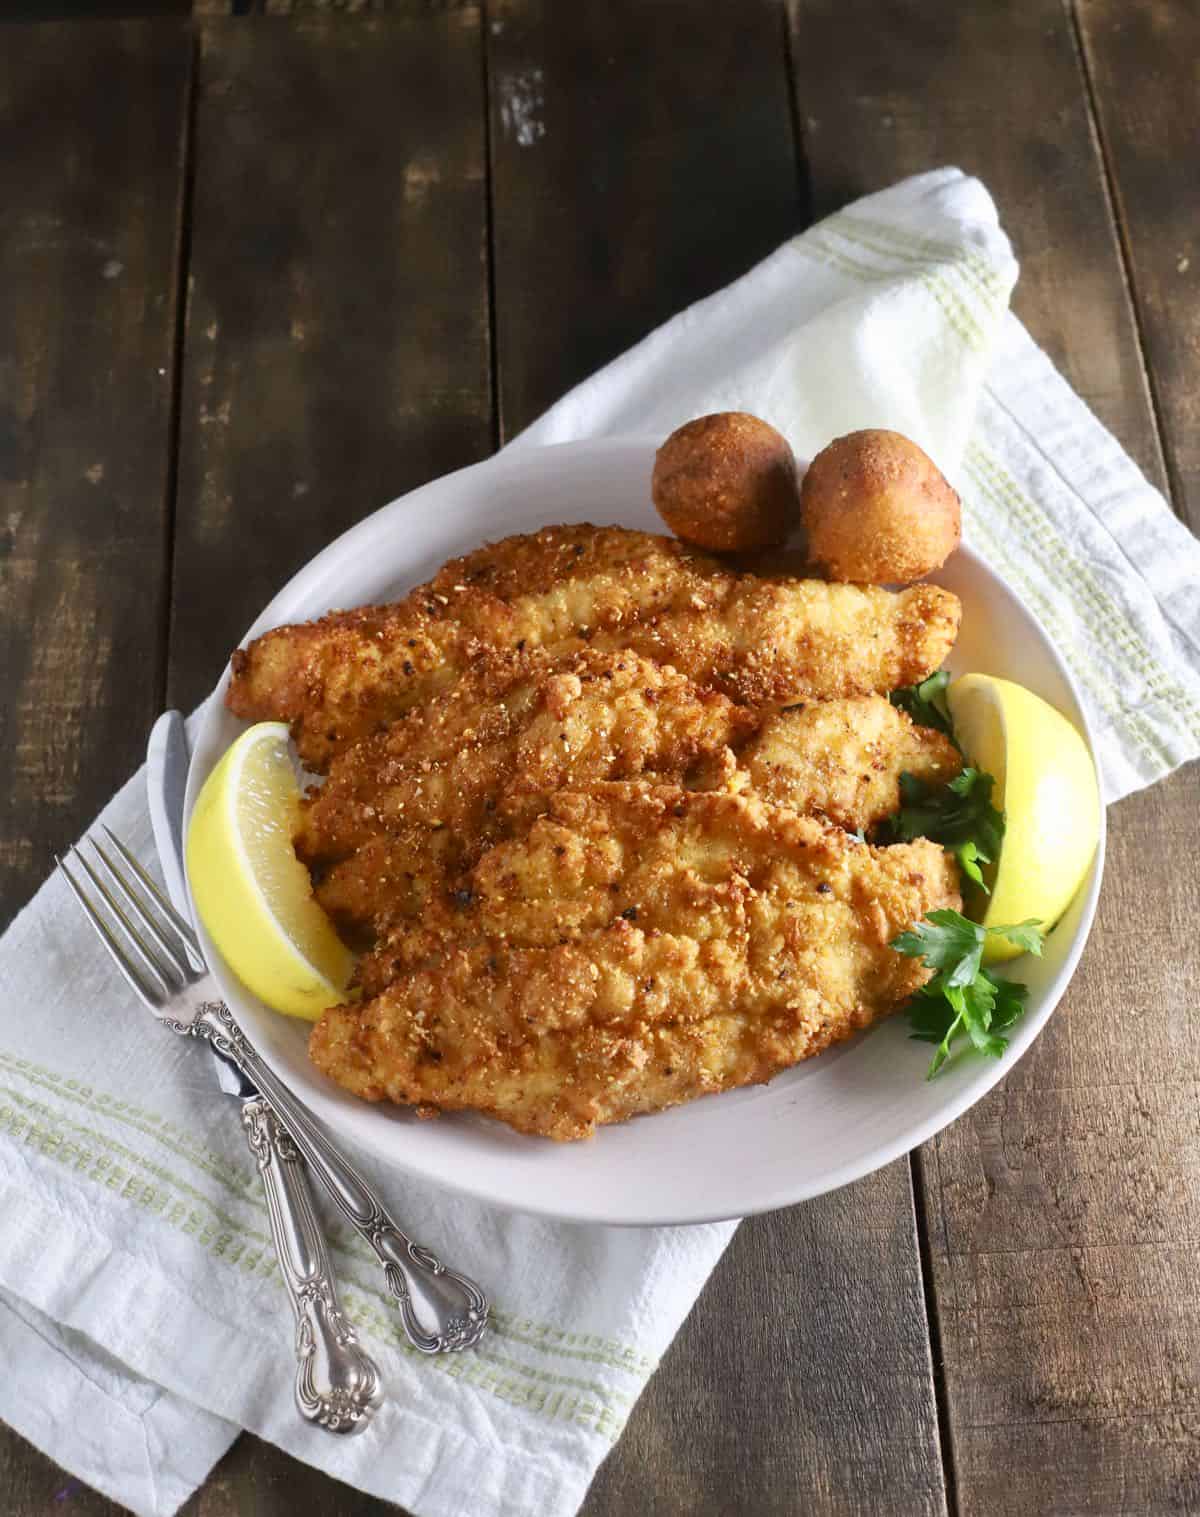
<point>350,673</point>
<point>564,589</point>
<point>839,759</point>
<point>636,947</point>
<point>401,814</point>
<point>447,764</point>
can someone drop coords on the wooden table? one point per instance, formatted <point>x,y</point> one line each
<point>261,273</point>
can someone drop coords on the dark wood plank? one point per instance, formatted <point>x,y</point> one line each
<point>256,1477</point>
<point>89,215</point>
<point>89,200</point>
<point>347,8</point>
<point>35,1486</point>
<point>639,161</point>
<point>337,339</point>
<point>1065,1210</point>
<point>1062,1209</point>
<point>886,88</point>
<point>642,157</point>
<point>1143,64</point>
<point>799,1384</point>
<point>337,354</point>
<point>89,10</point>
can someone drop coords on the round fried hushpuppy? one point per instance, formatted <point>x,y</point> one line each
<point>726,483</point>
<point>877,510</point>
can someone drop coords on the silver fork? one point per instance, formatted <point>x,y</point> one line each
<point>441,1310</point>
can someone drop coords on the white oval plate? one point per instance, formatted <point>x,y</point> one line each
<point>813,1128</point>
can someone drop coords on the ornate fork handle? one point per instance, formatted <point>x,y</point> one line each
<point>442,1310</point>
<point>337,1383</point>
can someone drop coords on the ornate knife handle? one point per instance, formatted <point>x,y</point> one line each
<point>442,1311</point>
<point>337,1384</point>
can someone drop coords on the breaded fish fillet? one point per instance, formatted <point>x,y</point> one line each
<point>564,589</point>
<point>448,763</point>
<point>638,946</point>
<point>843,759</point>
<point>401,815</point>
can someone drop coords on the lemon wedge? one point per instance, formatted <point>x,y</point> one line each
<point>1046,787</point>
<point>251,891</point>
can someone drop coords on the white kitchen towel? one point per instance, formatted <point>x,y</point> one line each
<point>894,313</point>
<point>141,1318</point>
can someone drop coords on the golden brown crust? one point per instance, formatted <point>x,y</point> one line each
<point>772,643</point>
<point>403,815</point>
<point>842,760</point>
<point>349,674</point>
<point>563,817</point>
<point>727,482</point>
<point>637,947</point>
<point>759,642</point>
<point>448,764</point>
<point>877,510</point>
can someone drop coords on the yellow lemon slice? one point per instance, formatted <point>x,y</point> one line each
<point>252,893</point>
<point>1046,787</point>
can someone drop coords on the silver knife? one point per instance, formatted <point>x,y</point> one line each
<point>337,1384</point>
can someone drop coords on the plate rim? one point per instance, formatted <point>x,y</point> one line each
<point>989,1073</point>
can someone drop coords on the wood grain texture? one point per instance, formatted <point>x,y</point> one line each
<point>89,215</point>
<point>1064,1207</point>
<point>260,1479</point>
<point>337,336</point>
<point>337,354</point>
<point>1065,1210</point>
<point>887,88</point>
<point>34,1486</point>
<point>348,8</point>
<point>642,156</point>
<point>639,161</point>
<point>89,202</point>
<point>799,1384</point>
<point>1144,62</point>
<point>89,10</point>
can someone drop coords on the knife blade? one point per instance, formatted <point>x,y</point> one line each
<point>166,783</point>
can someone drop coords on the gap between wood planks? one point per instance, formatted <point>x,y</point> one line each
<point>489,206</point>
<point>187,169</point>
<point>1104,155</point>
<point>917,1189</point>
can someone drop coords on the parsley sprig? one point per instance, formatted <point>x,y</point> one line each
<point>959,815</point>
<point>926,703</point>
<point>963,998</point>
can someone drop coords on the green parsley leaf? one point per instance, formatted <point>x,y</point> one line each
<point>930,1017</point>
<point>954,814</point>
<point>942,940</point>
<point>926,702</point>
<point>1027,935</point>
<point>959,815</point>
<point>969,860</point>
<point>962,998</point>
<point>1010,1000</point>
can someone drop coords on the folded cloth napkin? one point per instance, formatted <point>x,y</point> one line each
<point>142,1321</point>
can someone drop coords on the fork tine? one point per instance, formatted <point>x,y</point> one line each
<point>115,951</point>
<point>181,925</point>
<point>155,967</point>
<point>178,960</point>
